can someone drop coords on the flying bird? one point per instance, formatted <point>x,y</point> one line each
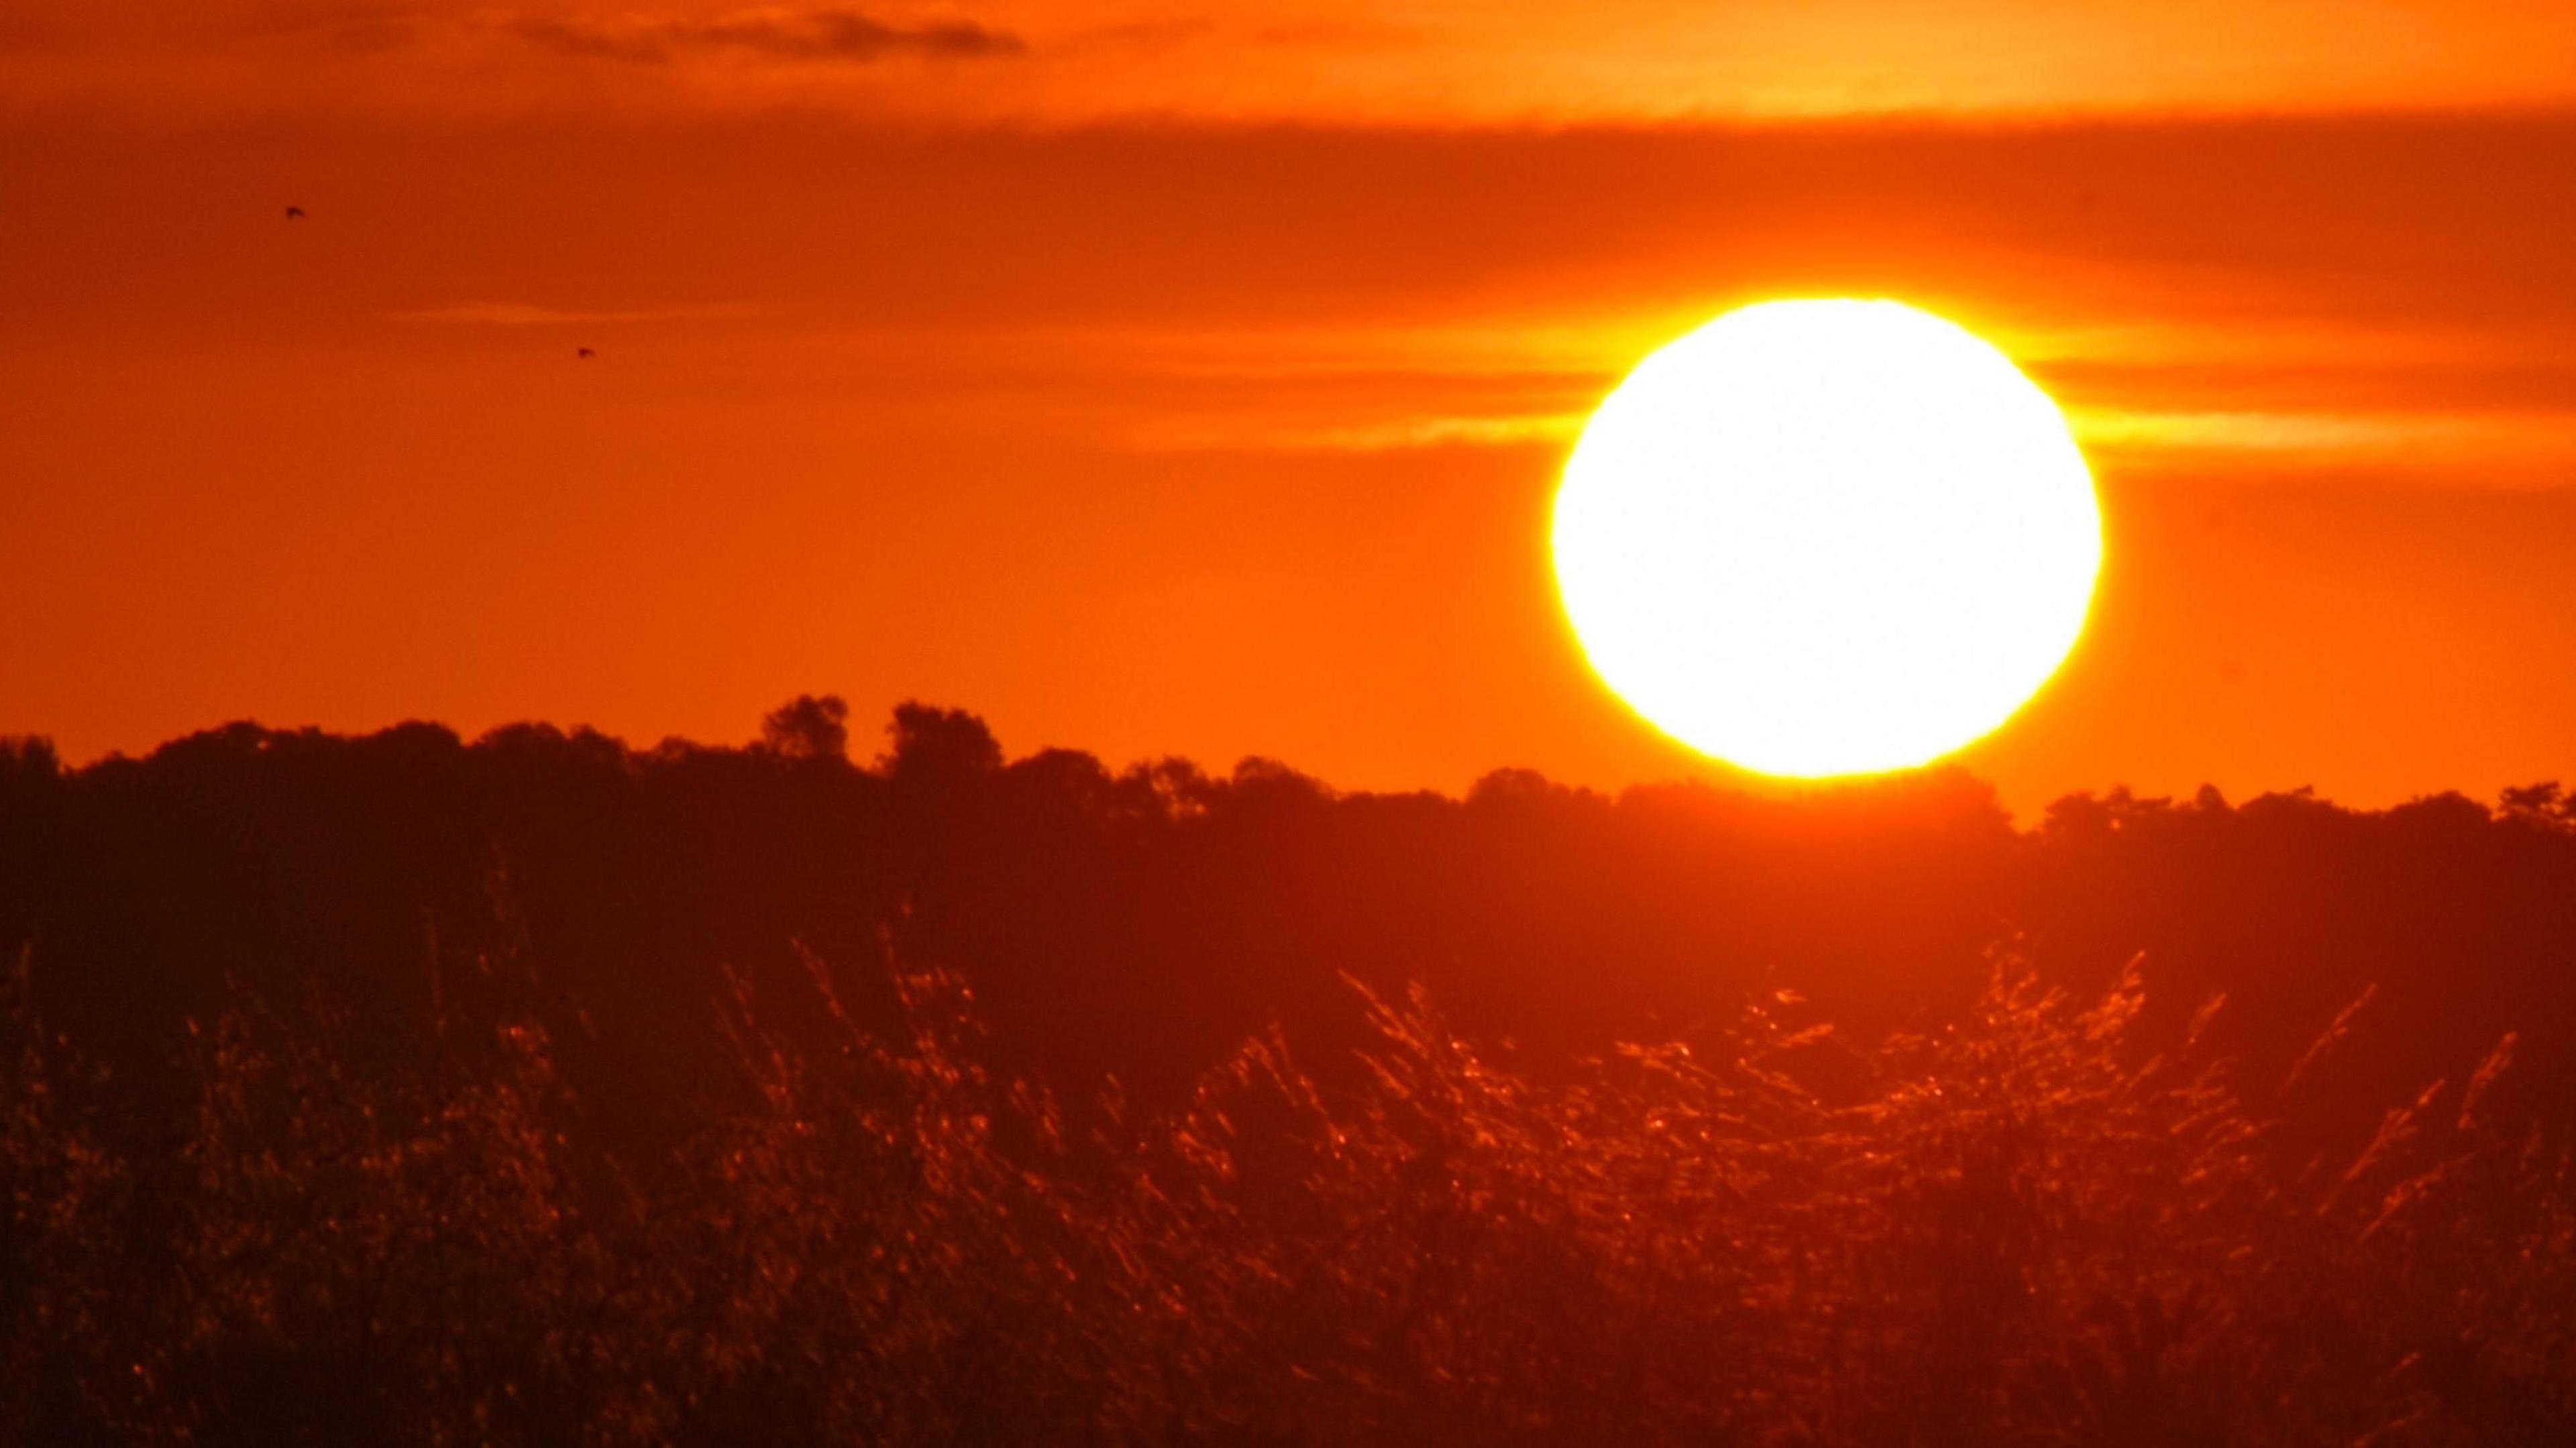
<point>295,213</point>
<point>584,353</point>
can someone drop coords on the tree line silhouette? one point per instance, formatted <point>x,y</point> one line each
<point>539,1088</point>
<point>1143,922</point>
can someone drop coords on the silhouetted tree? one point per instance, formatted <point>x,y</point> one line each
<point>807,727</point>
<point>938,745</point>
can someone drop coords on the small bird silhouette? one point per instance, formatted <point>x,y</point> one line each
<point>295,213</point>
<point>585,354</point>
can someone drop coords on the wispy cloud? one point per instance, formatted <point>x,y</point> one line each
<point>358,28</point>
<point>1238,434</point>
<point>524,314</point>
<point>2293,432</point>
<point>2496,446</point>
<point>826,34</point>
<point>1546,429</point>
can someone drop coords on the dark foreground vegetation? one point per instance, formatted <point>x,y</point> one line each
<point>539,1090</point>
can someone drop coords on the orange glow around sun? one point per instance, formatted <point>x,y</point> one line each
<point>1827,537</point>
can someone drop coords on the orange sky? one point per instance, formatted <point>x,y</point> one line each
<point>1158,383</point>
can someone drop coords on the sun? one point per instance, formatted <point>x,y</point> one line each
<point>1817,538</point>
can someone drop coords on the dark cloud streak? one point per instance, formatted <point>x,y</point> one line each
<point>846,35</point>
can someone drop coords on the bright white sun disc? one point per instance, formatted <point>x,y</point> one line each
<point>1827,537</point>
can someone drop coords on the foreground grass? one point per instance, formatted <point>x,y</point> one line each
<point>2016,1233</point>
